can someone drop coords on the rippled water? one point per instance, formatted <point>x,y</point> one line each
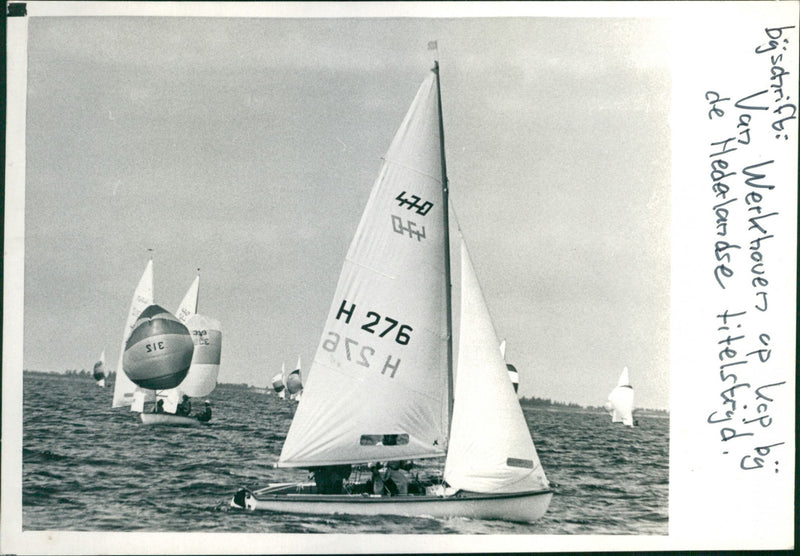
<point>87,467</point>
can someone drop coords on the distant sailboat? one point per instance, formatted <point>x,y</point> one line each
<point>513,374</point>
<point>157,349</point>
<point>201,378</point>
<point>278,384</point>
<point>381,385</point>
<point>99,372</point>
<point>620,401</point>
<point>294,383</point>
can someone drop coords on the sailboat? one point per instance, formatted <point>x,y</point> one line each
<point>201,378</point>
<point>513,374</point>
<point>383,385</point>
<point>620,400</point>
<point>294,383</point>
<point>277,383</point>
<point>99,371</point>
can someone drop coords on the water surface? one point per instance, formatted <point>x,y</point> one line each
<point>88,467</point>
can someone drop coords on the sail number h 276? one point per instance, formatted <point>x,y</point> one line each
<point>373,324</point>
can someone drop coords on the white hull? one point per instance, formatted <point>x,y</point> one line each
<point>168,419</point>
<point>289,498</point>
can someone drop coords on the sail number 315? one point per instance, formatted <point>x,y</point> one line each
<point>375,324</point>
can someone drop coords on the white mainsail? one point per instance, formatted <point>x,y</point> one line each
<point>621,400</point>
<point>124,389</point>
<point>140,397</point>
<point>375,390</point>
<point>490,449</point>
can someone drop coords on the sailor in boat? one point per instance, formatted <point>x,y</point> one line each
<point>205,415</point>
<point>375,484</point>
<point>390,479</point>
<point>395,479</point>
<point>185,407</point>
<point>330,478</point>
<point>159,407</point>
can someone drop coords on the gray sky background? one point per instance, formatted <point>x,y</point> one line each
<point>247,147</point>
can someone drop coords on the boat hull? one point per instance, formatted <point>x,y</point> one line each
<point>169,419</point>
<point>290,498</point>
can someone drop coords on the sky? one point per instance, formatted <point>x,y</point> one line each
<point>247,148</point>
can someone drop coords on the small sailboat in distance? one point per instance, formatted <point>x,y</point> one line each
<point>277,383</point>
<point>294,382</point>
<point>99,371</point>
<point>513,374</point>
<point>382,386</point>
<point>620,401</point>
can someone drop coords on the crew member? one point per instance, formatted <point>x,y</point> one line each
<point>395,478</point>
<point>205,416</point>
<point>185,407</point>
<point>330,478</point>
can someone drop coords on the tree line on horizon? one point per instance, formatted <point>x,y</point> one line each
<point>528,401</point>
<point>533,401</point>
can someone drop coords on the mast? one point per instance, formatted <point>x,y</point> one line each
<point>197,299</point>
<point>448,284</point>
<point>149,250</point>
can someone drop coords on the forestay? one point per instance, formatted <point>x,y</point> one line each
<point>124,389</point>
<point>491,450</point>
<point>377,388</point>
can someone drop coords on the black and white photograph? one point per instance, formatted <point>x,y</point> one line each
<point>355,277</point>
